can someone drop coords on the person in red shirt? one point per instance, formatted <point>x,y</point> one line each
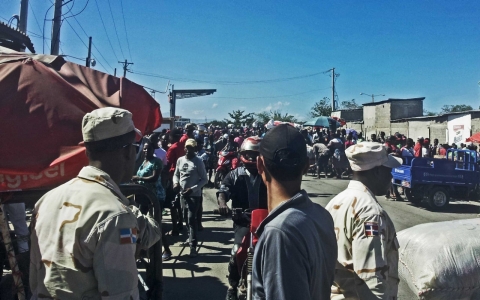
<point>391,146</point>
<point>349,141</point>
<point>418,147</point>
<point>173,154</point>
<point>442,150</point>
<point>189,128</point>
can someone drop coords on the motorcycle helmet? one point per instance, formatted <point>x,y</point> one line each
<point>250,149</point>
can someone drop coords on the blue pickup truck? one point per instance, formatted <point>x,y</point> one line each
<point>439,180</point>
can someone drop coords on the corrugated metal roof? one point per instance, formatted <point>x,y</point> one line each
<point>14,37</point>
<point>433,117</point>
<point>392,100</point>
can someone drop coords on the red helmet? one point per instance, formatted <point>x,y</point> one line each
<point>250,149</point>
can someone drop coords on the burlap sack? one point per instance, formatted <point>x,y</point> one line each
<point>441,260</point>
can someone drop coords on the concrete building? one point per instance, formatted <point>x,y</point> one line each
<point>447,128</point>
<point>406,117</point>
<point>349,115</point>
<point>377,116</point>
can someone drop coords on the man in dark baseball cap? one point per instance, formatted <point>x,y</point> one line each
<point>297,249</point>
<point>284,152</point>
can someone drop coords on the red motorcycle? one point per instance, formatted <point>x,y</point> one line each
<point>227,161</point>
<point>246,251</point>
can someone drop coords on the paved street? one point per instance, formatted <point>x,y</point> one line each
<point>204,278</point>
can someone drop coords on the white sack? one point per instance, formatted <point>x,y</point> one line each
<point>441,260</point>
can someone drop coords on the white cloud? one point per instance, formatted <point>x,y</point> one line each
<point>276,106</point>
<point>197,112</point>
<point>214,105</point>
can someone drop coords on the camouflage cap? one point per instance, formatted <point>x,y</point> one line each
<point>107,122</point>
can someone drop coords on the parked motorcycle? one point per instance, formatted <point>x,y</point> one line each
<point>227,161</point>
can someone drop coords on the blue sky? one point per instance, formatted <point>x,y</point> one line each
<point>398,48</point>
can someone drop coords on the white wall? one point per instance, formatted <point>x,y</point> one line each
<point>459,127</point>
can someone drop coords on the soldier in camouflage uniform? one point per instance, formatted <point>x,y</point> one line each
<point>85,234</point>
<point>367,266</point>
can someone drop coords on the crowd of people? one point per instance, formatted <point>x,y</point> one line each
<point>253,186</point>
<point>86,235</point>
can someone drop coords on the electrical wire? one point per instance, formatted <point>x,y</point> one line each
<point>84,44</point>
<point>152,89</point>
<point>115,26</point>
<point>74,15</point>
<point>70,9</point>
<point>43,31</point>
<point>272,97</point>
<point>35,17</point>
<point>228,82</point>
<point>82,59</point>
<point>126,34</point>
<point>99,52</point>
<point>113,50</point>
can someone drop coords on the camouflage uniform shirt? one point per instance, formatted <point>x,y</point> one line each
<point>84,239</point>
<point>367,266</point>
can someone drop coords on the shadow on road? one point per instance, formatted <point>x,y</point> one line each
<point>453,207</point>
<point>193,288</point>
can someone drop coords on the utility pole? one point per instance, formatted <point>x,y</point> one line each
<point>115,72</point>
<point>22,24</point>
<point>125,67</point>
<point>57,22</point>
<point>172,99</point>
<point>89,56</point>
<point>333,89</point>
<point>372,95</point>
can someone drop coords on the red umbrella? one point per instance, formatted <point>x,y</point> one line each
<point>43,99</point>
<point>474,138</point>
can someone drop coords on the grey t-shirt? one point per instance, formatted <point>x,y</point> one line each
<point>190,173</point>
<point>320,149</point>
<point>296,253</point>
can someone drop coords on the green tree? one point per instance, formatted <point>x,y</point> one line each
<point>429,113</point>
<point>276,115</point>
<point>455,108</point>
<point>321,108</point>
<point>239,117</point>
<point>350,104</point>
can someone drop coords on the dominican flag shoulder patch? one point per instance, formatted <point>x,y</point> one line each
<point>371,228</point>
<point>128,236</point>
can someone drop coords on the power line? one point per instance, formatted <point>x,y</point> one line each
<point>79,58</point>
<point>35,17</point>
<point>116,32</point>
<point>43,31</point>
<point>229,82</point>
<point>85,44</point>
<point>74,15</point>
<point>99,52</point>
<point>70,9</point>
<point>272,97</point>
<point>125,26</point>
<point>110,42</point>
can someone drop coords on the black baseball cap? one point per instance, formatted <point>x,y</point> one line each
<point>284,146</point>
